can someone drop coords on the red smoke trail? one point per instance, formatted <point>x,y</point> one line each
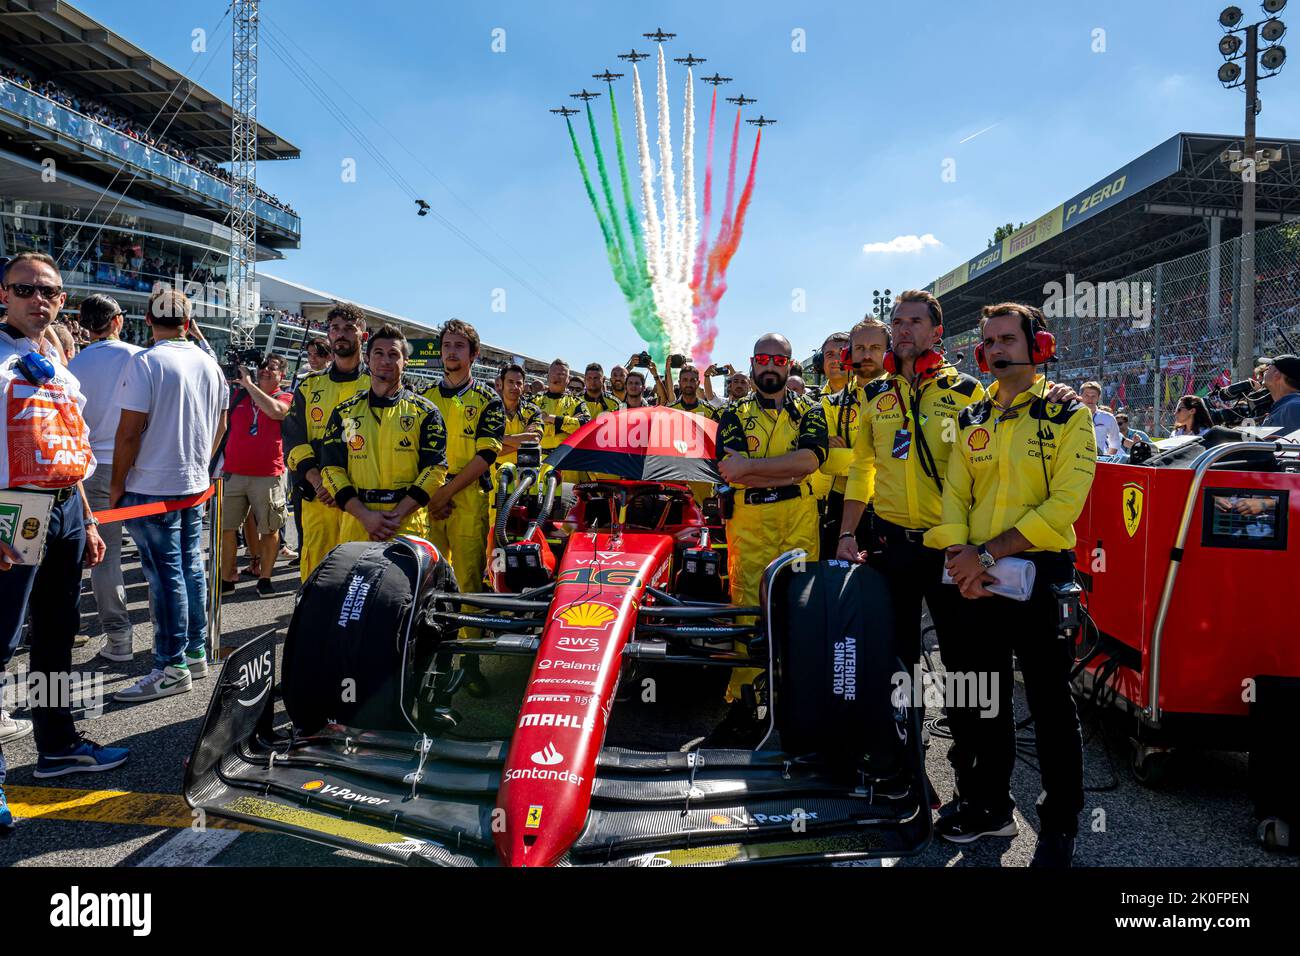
<point>698,272</point>
<point>715,282</point>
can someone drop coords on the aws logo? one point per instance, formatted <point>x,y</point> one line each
<point>587,614</point>
<point>978,440</point>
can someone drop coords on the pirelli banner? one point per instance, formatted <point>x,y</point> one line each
<point>1147,170</point>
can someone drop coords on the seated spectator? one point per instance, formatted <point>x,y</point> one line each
<point>1191,417</point>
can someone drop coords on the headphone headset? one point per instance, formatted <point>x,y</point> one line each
<point>1042,343</point>
<point>925,365</point>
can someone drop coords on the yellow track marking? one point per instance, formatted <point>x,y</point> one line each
<point>108,806</point>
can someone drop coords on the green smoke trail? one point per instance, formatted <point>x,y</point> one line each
<point>633,220</point>
<point>611,249</point>
<point>615,224</point>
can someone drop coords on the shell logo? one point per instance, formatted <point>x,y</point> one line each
<point>720,820</point>
<point>357,443</point>
<point>887,402</point>
<point>588,614</point>
<point>313,785</point>
<point>978,440</point>
<point>317,413</point>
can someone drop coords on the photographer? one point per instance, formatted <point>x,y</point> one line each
<point>663,391</point>
<point>254,466</point>
<point>706,384</point>
<point>1282,379</point>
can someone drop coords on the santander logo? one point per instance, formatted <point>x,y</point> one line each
<point>548,756</point>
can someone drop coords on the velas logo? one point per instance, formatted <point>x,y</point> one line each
<point>978,440</point>
<point>887,402</point>
<point>587,614</point>
<point>548,756</point>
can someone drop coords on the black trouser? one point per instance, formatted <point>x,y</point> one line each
<point>831,514</point>
<point>914,573</point>
<point>993,628</point>
<point>52,592</point>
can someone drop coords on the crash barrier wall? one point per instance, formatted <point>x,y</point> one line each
<point>110,515</point>
<point>1185,311</point>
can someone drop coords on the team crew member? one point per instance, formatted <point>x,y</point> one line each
<point>594,399</point>
<point>635,391</point>
<point>1018,477</point>
<point>44,451</point>
<point>562,414</point>
<point>384,451</point>
<point>313,403</point>
<point>1109,439</point>
<point>618,382</point>
<point>772,442</point>
<point>738,386</point>
<point>690,400</point>
<point>840,403</point>
<point>475,420</point>
<point>523,424</point>
<point>906,429</point>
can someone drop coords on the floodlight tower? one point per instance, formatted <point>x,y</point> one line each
<point>242,297</point>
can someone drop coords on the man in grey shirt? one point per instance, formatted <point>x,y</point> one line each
<point>1282,379</point>
<point>99,367</point>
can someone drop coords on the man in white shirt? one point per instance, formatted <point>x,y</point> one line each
<point>1109,439</point>
<point>99,367</point>
<point>173,414</point>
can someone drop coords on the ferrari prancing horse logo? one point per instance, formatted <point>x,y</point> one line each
<point>1132,498</point>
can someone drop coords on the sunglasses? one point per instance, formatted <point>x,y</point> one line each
<point>24,291</point>
<point>780,361</point>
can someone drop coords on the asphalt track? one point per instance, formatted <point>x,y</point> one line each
<point>135,816</point>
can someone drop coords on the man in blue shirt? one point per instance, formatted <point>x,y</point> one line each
<point>1282,379</point>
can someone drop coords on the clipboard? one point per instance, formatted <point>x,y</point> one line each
<point>24,523</point>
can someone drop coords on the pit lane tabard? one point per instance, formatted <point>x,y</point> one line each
<point>551,765</point>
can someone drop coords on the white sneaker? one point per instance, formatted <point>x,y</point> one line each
<point>197,664</point>
<point>11,728</point>
<point>157,683</point>
<point>117,647</point>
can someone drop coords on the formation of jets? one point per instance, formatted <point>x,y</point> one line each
<point>690,60</point>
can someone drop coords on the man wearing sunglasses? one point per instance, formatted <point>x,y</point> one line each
<point>772,442</point>
<point>43,421</point>
<point>840,406</point>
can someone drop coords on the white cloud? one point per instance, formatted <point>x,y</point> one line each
<point>899,244</point>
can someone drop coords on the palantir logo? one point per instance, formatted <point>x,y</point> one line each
<point>548,756</point>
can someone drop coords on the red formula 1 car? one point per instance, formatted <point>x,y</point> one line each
<point>616,598</point>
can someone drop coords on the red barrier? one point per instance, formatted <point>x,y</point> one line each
<point>153,507</point>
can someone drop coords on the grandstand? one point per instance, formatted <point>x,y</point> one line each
<point>108,162</point>
<point>1166,228</point>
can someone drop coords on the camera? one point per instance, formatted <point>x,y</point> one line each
<point>641,359</point>
<point>1239,402</point>
<point>237,359</point>
<point>676,360</point>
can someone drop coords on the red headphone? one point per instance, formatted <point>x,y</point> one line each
<point>926,364</point>
<point>1042,343</point>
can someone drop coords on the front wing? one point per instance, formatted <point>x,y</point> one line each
<point>420,800</point>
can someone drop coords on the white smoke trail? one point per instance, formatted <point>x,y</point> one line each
<point>653,248</point>
<point>690,227</point>
<point>667,183</point>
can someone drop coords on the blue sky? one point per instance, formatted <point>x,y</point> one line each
<point>882,95</point>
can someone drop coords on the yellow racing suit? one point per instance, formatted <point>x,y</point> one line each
<point>380,450</point>
<point>767,522</point>
<point>314,400</point>
<point>700,489</point>
<point>475,419</point>
<point>596,407</point>
<point>570,415</point>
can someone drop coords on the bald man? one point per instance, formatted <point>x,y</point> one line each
<point>772,442</point>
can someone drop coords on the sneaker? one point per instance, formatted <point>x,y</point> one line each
<point>11,728</point>
<point>85,757</point>
<point>969,824</point>
<point>81,640</point>
<point>6,817</point>
<point>157,683</point>
<point>118,647</point>
<point>288,553</point>
<point>1055,849</point>
<point>227,587</point>
<point>265,588</point>
<point>198,664</point>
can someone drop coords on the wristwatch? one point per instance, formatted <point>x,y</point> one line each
<point>91,520</point>
<point>986,560</point>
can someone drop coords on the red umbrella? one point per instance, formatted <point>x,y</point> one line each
<point>646,444</point>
